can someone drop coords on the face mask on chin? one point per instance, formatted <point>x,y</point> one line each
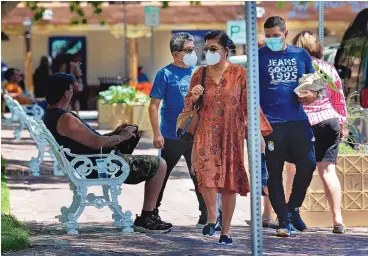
<point>190,59</point>
<point>275,43</point>
<point>212,58</point>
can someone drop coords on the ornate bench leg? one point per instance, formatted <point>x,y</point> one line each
<point>69,216</point>
<point>19,129</point>
<point>121,219</point>
<point>105,191</point>
<point>35,163</point>
<point>34,167</point>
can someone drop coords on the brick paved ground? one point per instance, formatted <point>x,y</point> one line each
<point>37,200</point>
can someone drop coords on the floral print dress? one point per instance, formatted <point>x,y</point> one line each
<point>222,128</point>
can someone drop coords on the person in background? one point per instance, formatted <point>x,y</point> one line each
<point>41,76</point>
<point>327,117</point>
<point>12,85</point>
<point>280,68</point>
<point>267,220</point>
<point>218,151</point>
<point>4,68</point>
<point>63,63</point>
<point>142,77</point>
<point>171,86</point>
<point>70,131</point>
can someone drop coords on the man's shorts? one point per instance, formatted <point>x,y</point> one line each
<point>142,168</point>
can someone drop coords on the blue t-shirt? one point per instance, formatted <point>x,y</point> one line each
<point>279,73</point>
<point>171,85</point>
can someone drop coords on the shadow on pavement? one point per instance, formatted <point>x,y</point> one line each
<point>95,239</point>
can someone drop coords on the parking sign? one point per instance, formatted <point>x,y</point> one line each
<point>152,16</point>
<point>236,31</point>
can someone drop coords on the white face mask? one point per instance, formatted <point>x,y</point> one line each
<point>212,58</point>
<point>190,59</point>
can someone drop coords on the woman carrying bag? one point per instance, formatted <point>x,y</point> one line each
<point>218,151</point>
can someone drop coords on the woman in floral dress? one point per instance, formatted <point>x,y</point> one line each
<point>218,152</point>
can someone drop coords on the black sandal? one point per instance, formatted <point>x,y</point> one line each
<point>338,229</point>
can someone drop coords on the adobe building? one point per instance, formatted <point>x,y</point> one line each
<point>101,48</point>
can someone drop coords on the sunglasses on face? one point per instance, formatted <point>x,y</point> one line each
<point>212,49</point>
<point>189,50</point>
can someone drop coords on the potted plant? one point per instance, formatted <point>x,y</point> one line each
<point>117,105</point>
<point>352,171</point>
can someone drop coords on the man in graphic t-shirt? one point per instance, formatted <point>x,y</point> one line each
<point>280,67</point>
<point>171,85</point>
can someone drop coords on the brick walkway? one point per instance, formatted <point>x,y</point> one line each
<point>37,200</point>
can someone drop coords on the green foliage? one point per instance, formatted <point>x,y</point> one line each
<point>355,113</point>
<point>345,149</point>
<point>5,204</point>
<point>123,94</point>
<point>165,4</point>
<point>74,7</point>
<point>14,235</point>
<point>281,4</point>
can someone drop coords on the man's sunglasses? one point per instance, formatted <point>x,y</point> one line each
<point>189,50</point>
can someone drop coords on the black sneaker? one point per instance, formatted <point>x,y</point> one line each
<point>158,218</point>
<point>202,220</point>
<point>209,230</point>
<point>149,224</point>
<point>226,240</point>
<point>297,221</point>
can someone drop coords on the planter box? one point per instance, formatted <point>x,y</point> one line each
<point>141,118</point>
<point>352,171</point>
<point>111,116</point>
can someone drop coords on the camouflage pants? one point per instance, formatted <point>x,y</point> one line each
<point>142,168</point>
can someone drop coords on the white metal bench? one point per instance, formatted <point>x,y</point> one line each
<point>36,111</point>
<point>76,171</point>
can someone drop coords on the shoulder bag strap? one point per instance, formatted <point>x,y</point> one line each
<point>199,102</point>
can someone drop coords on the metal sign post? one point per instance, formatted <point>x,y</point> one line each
<point>152,19</point>
<point>253,128</point>
<point>321,23</point>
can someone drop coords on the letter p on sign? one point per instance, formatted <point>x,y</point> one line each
<point>236,31</point>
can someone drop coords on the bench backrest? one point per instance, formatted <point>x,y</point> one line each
<point>79,166</point>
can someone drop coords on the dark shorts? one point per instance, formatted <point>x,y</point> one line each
<point>142,168</point>
<point>327,135</point>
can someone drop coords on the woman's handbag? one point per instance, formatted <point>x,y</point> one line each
<point>188,120</point>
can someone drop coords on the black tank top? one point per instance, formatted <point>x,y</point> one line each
<point>51,119</point>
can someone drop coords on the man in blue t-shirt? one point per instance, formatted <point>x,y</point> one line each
<point>292,140</point>
<point>171,85</point>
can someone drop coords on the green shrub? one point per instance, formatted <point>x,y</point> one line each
<point>121,95</point>
<point>14,235</point>
<point>5,204</point>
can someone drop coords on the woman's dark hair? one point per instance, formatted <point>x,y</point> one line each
<point>61,59</point>
<point>44,62</point>
<point>222,38</point>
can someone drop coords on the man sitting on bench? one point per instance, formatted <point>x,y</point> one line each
<point>72,132</point>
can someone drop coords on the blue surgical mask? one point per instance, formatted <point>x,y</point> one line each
<point>275,43</point>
